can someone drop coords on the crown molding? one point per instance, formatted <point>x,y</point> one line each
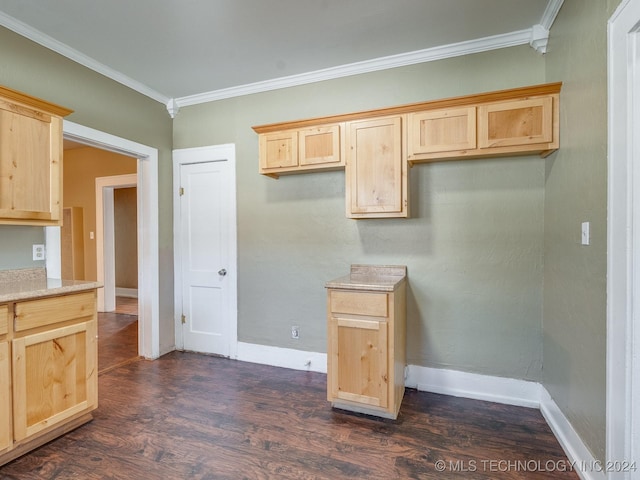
<point>536,36</point>
<point>72,54</point>
<point>550,13</point>
<point>521,37</point>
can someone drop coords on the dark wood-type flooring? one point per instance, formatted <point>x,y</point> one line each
<point>191,416</point>
<point>118,335</point>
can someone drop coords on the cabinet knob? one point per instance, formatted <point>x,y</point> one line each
<point>222,272</point>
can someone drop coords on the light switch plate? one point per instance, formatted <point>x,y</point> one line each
<point>586,235</point>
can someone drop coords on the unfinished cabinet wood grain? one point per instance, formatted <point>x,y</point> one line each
<point>54,362</point>
<point>376,172</point>
<point>366,354</point>
<point>520,124</point>
<point>301,150</point>
<point>5,381</point>
<point>30,160</point>
<point>515,122</point>
<point>449,131</point>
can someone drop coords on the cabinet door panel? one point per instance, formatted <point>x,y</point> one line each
<point>517,122</point>
<point>278,150</point>
<point>55,377</point>
<point>5,396</point>
<point>441,131</point>
<point>30,157</point>
<point>320,145</point>
<point>359,363</point>
<point>375,170</point>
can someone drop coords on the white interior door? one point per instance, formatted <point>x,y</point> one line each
<point>206,195</point>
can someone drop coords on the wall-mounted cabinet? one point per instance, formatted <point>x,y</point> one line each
<point>30,160</point>
<point>434,132</point>
<point>376,172</point>
<point>524,125</point>
<point>301,150</point>
<point>381,143</point>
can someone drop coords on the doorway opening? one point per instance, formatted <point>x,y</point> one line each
<point>147,230</point>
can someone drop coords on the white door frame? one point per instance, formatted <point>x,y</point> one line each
<point>623,238</point>
<point>201,155</point>
<point>105,236</point>
<point>148,249</point>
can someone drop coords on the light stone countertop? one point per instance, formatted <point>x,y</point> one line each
<point>29,283</point>
<point>383,278</point>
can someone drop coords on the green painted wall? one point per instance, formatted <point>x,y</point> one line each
<point>498,278</point>
<point>574,325</point>
<point>473,244</point>
<point>105,105</point>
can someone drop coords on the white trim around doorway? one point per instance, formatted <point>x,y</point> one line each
<point>148,248</point>
<point>623,240</point>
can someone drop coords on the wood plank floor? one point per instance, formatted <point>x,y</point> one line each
<point>118,335</point>
<point>191,416</point>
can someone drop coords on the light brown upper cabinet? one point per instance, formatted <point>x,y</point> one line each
<point>30,160</point>
<point>516,123</point>
<point>376,173</point>
<point>451,131</point>
<point>375,146</point>
<point>301,150</point>
<point>524,121</point>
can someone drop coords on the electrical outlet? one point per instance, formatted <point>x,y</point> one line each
<point>295,332</point>
<point>38,252</point>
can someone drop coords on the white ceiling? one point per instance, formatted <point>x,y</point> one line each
<point>187,51</point>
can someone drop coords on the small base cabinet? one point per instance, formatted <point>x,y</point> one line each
<point>366,343</point>
<point>51,363</point>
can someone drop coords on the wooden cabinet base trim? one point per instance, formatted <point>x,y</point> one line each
<point>20,449</point>
<point>368,409</point>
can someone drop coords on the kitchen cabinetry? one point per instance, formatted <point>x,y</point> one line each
<point>301,150</point>
<point>30,160</point>
<point>518,123</point>
<point>366,316</point>
<point>376,173</point>
<point>5,381</point>
<point>507,123</point>
<point>379,144</point>
<point>439,131</point>
<point>52,369</point>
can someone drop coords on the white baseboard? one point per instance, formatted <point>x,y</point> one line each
<point>282,357</point>
<point>587,467</point>
<point>472,385</point>
<point>459,384</point>
<point>126,292</point>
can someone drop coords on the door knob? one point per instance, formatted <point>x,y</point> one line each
<point>222,272</point>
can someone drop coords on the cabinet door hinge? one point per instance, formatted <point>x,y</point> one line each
<point>181,191</point>
<point>183,319</point>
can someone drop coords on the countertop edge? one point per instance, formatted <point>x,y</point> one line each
<point>49,290</point>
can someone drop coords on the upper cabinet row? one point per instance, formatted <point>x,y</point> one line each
<point>376,146</point>
<point>30,160</point>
